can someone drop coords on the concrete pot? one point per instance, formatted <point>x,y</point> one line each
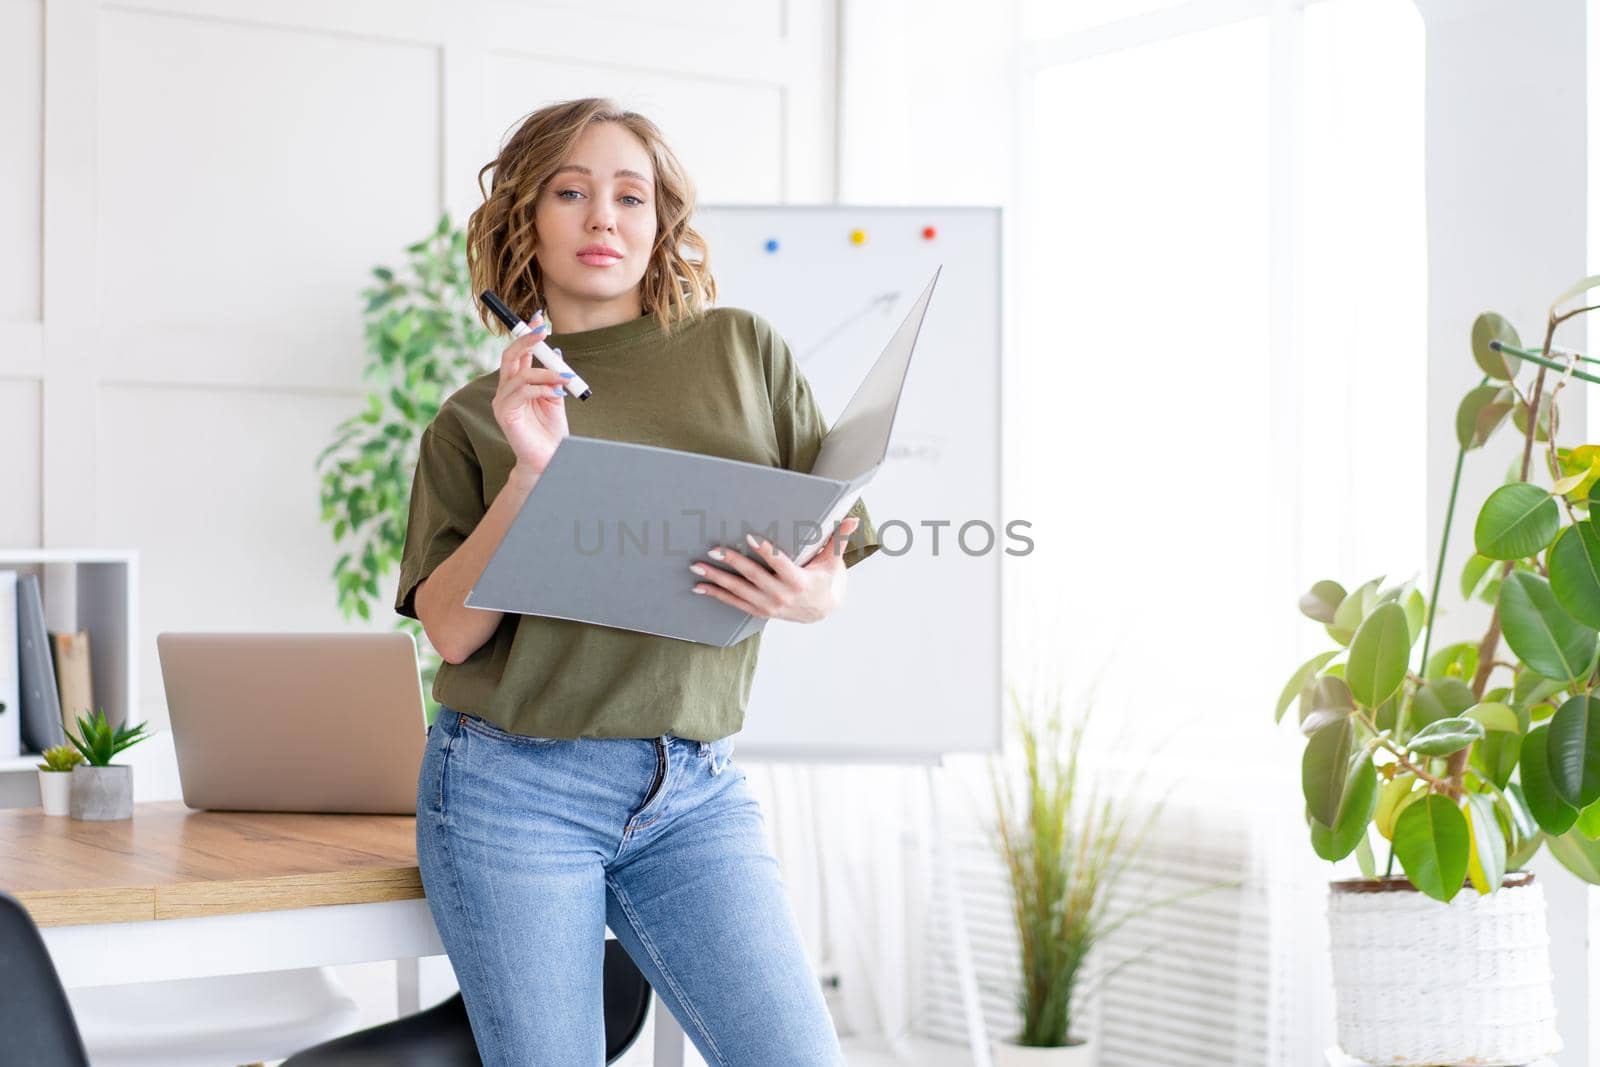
<point>55,791</point>
<point>1006,1053</point>
<point>102,792</point>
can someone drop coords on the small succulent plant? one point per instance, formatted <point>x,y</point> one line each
<point>60,758</point>
<point>99,741</point>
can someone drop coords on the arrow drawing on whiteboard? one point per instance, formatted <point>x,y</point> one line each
<point>882,304</point>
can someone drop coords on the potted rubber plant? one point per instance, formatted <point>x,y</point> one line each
<point>1066,846</point>
<point>102,789</point>
<point>55,778</point>
<point>1460,762</point>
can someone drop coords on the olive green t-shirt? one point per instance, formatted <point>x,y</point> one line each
<point>723,383</point>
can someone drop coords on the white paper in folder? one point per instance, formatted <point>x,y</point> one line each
<point>608,532</point>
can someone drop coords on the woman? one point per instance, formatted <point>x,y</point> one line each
<point>575,776</point>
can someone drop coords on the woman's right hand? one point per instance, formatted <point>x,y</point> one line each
<point>530,401</point>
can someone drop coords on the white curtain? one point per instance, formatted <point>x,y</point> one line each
<point>1215,396</point>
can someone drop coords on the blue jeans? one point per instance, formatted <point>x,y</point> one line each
<point>530,847</point>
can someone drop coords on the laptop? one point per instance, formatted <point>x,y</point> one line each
<point>300,722</point>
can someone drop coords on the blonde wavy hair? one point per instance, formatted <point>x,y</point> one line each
<point>501,234</point>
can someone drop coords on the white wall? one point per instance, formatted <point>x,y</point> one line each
<point>194,193</point>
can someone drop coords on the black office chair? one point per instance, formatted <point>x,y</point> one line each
<point>35,1015</point>
<point>441,1036</point>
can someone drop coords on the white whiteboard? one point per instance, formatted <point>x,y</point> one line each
<point>908,668</point>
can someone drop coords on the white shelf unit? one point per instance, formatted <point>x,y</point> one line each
<point>95,590</point>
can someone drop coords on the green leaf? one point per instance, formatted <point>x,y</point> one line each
<point>1531,687</point>
<point>1431,843</point>
<point>1358,800</point>
<point>1581,286</point>
<point>1486,852</point>
<point>1391,801</point>
<point>1416,609</point>
<point>1495,716</point>
<point>1517,806</point>
<point>1364,860</point>
<point>1298,680</point>
<point>1351,610</point>
<point>1588,823</point>
<point>1476,575</point>
<point>1495,757</point>
<point>1355,811</point>
<point>1568,485</point>
<point>1329,701</point>
<point>1388,713</point>
<point>1519,419</point>
<point>1378,655</point>
<point>1575,572</point>
<point>1492,327</point>
<point>1517,521</point>
<point>1481,413</point>
<point>1523,854</point>
<point>1577,854</point>
<point>1553,814</point>
<point>1445,736</point>
<point>1356,803</point>
<point>1441,699</point>
<point>1459,660</point>
<point>1324,768</point>
<point>1588,490</point>
<point>1574,750</point>
<point>1582,463</point>
<point>1540,631</point>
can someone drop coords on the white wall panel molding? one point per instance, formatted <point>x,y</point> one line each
<point>71,291</point>
<point>416,21</point>
<point>211,183</point>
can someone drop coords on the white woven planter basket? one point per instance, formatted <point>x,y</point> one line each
<point>1420,982</point>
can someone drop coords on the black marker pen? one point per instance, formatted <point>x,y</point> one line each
<point>549,357</point>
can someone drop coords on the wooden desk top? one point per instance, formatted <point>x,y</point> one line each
<point>171,862</point>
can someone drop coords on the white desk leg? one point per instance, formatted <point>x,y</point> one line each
<point>669,1039</point>
<point>408,982</point>
<point>977,1033</point>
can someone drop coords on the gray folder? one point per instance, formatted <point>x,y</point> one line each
<point>609,531</point>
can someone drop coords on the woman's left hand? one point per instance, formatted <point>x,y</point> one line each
<point>798,594</point>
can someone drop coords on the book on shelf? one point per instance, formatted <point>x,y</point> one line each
<point>71,654</point>
<point>10,681</point>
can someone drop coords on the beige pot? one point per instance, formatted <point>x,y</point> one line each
<point>55,791</point>
<point>1007,1053</point>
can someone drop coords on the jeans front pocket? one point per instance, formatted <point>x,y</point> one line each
<point>485,728</point>
<point>721,753</point>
